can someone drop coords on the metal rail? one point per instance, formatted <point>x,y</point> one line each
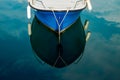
<point>78,2</point>
<point>39,1</point>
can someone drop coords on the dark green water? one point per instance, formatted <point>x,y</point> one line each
<point>101,55</point>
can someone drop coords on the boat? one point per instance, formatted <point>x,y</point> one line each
<point>57,35</point>
<point>58,15</point>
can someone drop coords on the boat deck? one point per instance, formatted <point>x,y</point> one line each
<point>57,5</point>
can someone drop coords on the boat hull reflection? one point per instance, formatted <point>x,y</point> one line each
<point>45,42</point>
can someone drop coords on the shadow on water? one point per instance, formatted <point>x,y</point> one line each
<point>44,42</point>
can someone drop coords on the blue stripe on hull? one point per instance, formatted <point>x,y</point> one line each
<point>47,18</point>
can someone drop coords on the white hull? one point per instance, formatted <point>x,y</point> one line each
<point>58,5</point>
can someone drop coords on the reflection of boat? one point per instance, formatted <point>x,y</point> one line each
<point>58,15</point>
<point>57,35</point>
<point>45,43</point>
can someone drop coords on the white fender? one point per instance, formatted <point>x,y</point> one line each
<point>29,29</point>
<point>86,25</point>
<point>28,12</point>
<point>88,35</point>
<point>89,6</point>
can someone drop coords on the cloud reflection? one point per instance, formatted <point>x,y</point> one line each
<point>107,9</point>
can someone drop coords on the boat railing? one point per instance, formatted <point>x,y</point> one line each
<point>33,2</point>
<point>77,2</point>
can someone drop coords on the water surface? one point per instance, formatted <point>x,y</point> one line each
<point>101,55</point>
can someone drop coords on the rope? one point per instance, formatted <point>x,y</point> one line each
<point>59,24</point>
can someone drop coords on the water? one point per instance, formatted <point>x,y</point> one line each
<point>100,60</point>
